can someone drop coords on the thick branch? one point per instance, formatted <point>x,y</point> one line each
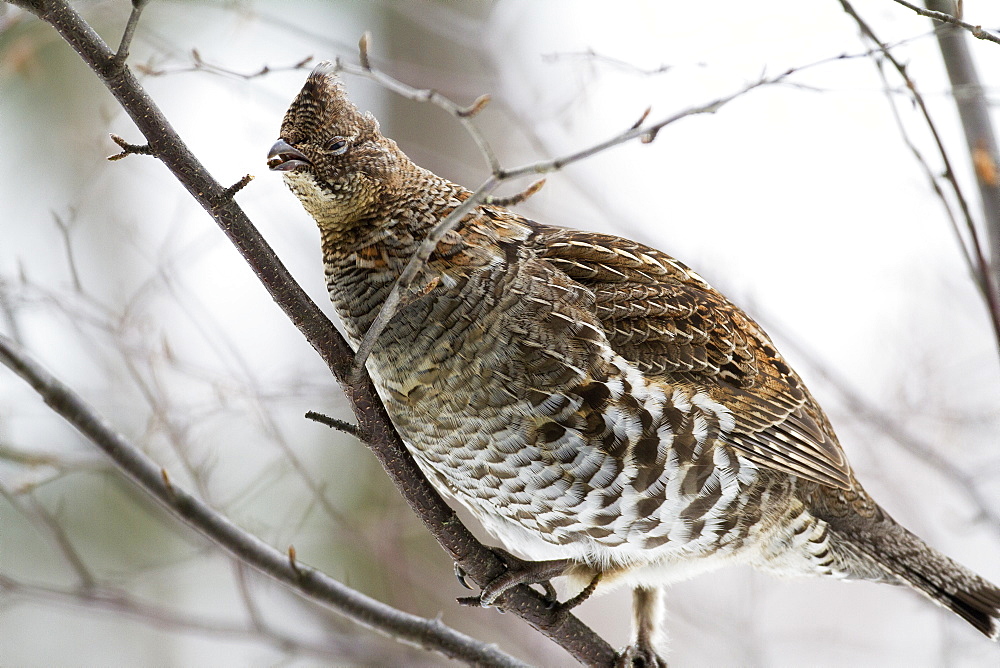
<point>481,564</point>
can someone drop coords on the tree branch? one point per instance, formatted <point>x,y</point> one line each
<point>129,33</point>
<point>200,65</point>
<point>426,633</point>
<point>944,17</point>
<point>480,563</point>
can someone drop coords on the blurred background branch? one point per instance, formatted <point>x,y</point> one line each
<point>427,633</point>
<point>976,252</point>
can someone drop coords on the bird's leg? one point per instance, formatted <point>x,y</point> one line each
<point>518,572</point>
<point>647,622</point>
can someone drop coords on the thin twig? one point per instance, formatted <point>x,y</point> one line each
<point>982,274</point>
<point>241,573</point>
<point>200,65</point>
<point>14,455</point>
<point>64,231</point>
<point>129,149</point>
<point>333,422</point>
<point>636,132</point>
<point>363,43</point>
<point>58,534</point>
<point>231,191</point>
<point>977,31</point>
<point>413,268</point>
<point>516,198</point>
<point>933,178</point>
<point>593,56</point>
<point>129,33</point>
<point>464,114</point>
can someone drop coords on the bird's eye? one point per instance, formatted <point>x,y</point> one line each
<point>336,145</point>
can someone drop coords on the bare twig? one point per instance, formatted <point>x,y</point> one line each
<point>933,178</point>
<point>168,486</point>
<point>9,453</point>
<point>339,425</point>
<point>516,198</point>
<point>65,226</point>
<point>292,562</point>
<point>977,31</point>
<point>129,33</point>
<point>129,149</point>
<point>414,267</point>
<point>464,114</point>
<point>982,274</point>
<point>241,573</point>
<point>58,534</point>
<point>477,105</point>
<point>363,43</point>
<point>56,466</point>
<point>430,634</point>
<point>593,56</point>
<point>231,191</point>
<point>642,118</point>
<point>200,65</point>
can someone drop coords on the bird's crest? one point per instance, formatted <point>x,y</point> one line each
<point>322,108</point>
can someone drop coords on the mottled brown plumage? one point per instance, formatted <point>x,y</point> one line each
<point>593,401</point>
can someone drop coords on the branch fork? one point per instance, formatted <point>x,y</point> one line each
<point>129,149</point>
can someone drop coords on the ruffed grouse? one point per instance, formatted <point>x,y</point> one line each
<point>592,401</point>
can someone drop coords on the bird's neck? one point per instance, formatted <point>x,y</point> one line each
<point>363,260</point>
<point>398,221</point>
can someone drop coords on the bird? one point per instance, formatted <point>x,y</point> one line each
<point>591,400</point>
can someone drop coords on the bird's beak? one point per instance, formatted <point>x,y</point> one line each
<point>283,157</point>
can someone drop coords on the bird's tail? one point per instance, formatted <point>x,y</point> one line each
<point>910,561</point>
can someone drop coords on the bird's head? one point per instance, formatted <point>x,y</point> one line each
<point>333,157</point>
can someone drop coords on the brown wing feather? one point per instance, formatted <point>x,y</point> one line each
<point>664,318</point>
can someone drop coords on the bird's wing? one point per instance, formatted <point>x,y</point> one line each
<point>665,319</point>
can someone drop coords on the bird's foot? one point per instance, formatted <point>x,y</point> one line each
<point>520,571</point>
<point>640,655</point>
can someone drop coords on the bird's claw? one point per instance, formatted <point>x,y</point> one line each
<point>461,576</point>
<point>640,656</point>
<point>520,571</point>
